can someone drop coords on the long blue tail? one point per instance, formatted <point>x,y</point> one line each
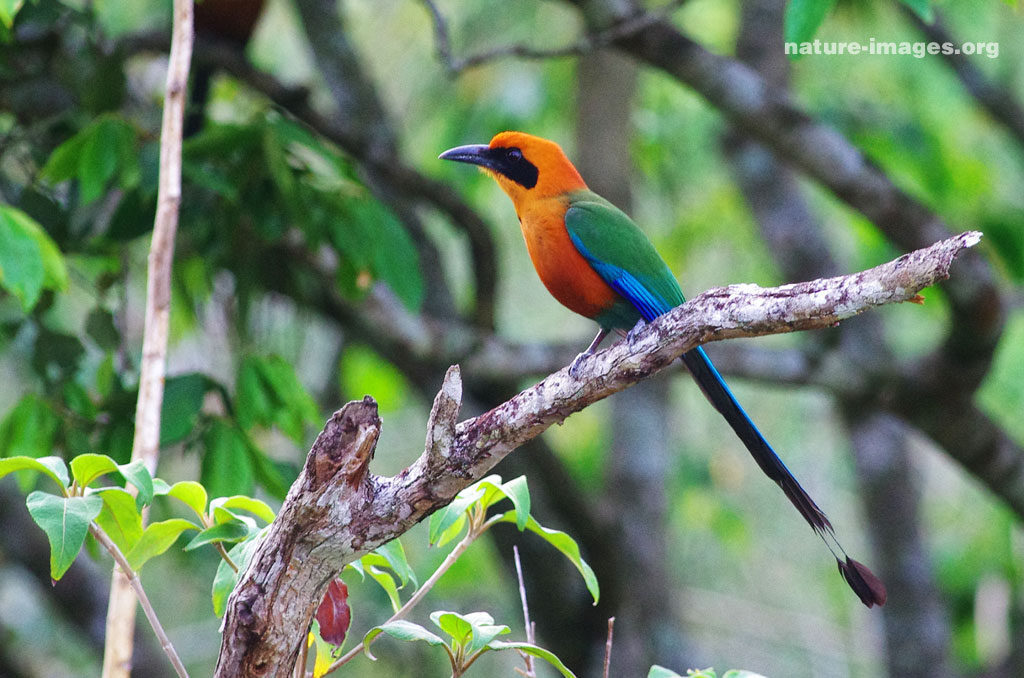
<point>718,393</point>
<point>864,583</point>
<point>649,305</point>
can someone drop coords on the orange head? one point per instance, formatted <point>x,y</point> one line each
<point>526,167</point>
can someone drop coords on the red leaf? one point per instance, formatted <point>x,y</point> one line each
<point>334,614</point>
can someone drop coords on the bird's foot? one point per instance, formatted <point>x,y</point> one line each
<point>632,334</point>
<point>577,362</point>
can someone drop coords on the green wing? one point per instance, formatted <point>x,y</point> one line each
<point>623,256</point>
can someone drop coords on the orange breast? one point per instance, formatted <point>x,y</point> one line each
<point>562,269</point>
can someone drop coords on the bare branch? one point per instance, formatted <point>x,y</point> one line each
<point>147,607</point>
<point>336,511</point>
<point>588,43</point>
<point>527,659</point>
<point>146,445</point>
<point>608,647</point>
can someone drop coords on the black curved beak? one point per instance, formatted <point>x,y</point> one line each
<point>474,154</point>
<point>508,162</point>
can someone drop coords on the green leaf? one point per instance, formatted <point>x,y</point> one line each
<point>231,531</point>
<point>661,672</point>
<point>28,429</point>
<point>97,164</point>
<point>29,259</point>
<point>741,673</point>
<point>472,631</point>
<point>443,522</point>
<point>516,490</point>
<point>368,565</point>
<point>105,376</point>
<point>86,468</point>
<point>120,518</point>
<point>55,271</point>
<point>64,161</point>
<point>564,543</point>
<point>447,523</point>
<point>280,172</point>
<point>394,553</point>
<point>326,653</point>
<point>183,400</point>
<point>8,10</point>
<point>533,651</point>
<point>297,406</point>
<point>65,520</point>
<point>519,493</point>
<point>252,401</point>
<point>192,494</point>
<point>395,259</point>
<point>101,151</point>
<point>250,504</point>
<point>269,393</point>
<point>212,179</point>
<point>109,146</point>
<point>138,475</point>
<point>157,538</point>
<point>454,624</point>
<point>1004,231</point>
<point>226,468</point>
<point>78,401</point>
<point>804,17</point>
<point>402,630</point>
<point>21,262</point>
<point>54,467</point>
<point>226,578</point>
<point>923,9</point>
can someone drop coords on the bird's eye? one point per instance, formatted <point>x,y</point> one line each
<point>514,154</point>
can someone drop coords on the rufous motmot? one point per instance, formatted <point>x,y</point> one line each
<point>597,262</point>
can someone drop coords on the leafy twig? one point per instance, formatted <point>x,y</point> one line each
<point>476,529</point>
<point>133,580</point>
<point>223,552</point>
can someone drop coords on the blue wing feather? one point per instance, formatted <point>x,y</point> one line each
<point>625,283</point>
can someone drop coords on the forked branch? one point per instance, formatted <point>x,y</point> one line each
<point>337,511</point>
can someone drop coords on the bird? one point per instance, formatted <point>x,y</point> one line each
<point>598,263</point>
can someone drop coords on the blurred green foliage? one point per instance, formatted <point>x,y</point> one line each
<point>78,162</point>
